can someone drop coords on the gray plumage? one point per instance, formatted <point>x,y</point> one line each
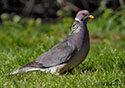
<point>67,54</point>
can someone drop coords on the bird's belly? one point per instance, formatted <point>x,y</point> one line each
<point>77,59</point>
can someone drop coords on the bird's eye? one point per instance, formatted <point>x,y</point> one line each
<point>83,14</point>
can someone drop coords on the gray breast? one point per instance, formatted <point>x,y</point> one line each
<point>81,40</point>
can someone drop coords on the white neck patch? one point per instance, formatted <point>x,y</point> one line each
<point>77,19</point>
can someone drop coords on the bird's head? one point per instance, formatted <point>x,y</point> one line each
<point>83,15</point>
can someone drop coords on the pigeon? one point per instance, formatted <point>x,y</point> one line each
<point>67,54</point>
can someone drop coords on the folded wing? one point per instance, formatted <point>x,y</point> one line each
<point>60,53</point>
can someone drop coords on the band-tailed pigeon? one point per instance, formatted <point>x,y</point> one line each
<point>67,54</point>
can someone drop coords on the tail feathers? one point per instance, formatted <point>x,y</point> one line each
<point>52,70</point>
<point>26,69</point>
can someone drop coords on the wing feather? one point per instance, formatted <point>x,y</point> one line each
<point>60,53</point>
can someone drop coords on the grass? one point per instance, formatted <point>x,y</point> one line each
<point>21,41</point>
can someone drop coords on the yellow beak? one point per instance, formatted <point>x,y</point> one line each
<point>91,16</point>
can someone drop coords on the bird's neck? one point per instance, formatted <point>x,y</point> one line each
<point>78,33</point>
<point>76,27</point>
